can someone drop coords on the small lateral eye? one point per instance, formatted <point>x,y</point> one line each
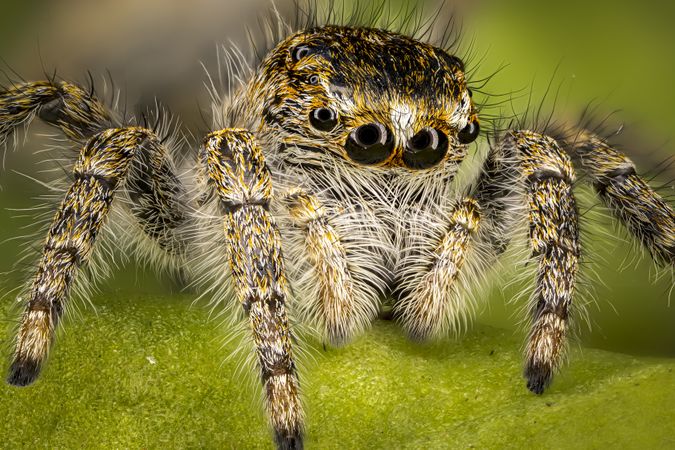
<point>299,52</point>
<point>469,133</point>
<point>323,119</point>
<point>314,79</point>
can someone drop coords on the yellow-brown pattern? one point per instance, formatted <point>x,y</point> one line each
<point>237,172</point>
<point>102,166</point>
<point>346,140</point>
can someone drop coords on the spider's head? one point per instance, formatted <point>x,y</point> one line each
<point>371,96</point>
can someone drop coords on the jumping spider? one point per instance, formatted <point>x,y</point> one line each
<point>329,185</point>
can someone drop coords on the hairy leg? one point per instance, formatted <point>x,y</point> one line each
<point>76,112</point>
<point>238,174</point>
<point>646,215</point>
<point>340,296</point>
<point>531,168</point>
<point>102,167</point>
<point>158,200</point>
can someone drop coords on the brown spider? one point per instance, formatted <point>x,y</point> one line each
<point>329,185</point>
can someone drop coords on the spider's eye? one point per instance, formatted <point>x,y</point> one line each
<point>370,144</point>
<point>323,119</point>
<point>469,133</point>
<point>314,79</point>
<point>426,149</point>
<point>301,51</point>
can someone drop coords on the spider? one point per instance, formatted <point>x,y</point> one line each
<point>331,182</point>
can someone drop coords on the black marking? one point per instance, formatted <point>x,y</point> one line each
<point>545,307</point>
<point>68,250</point>
<point>621,173</point>
<point>539,377</point>
<point>275,368</point>
<point>107,183</point>
<point>51,112</point>
<point>291,441</point>
<point>546,174</point>
<point>231,207</point>
<point>614,176</point>
<point>23,372</point>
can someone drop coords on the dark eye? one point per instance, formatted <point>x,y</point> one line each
<point>323,119</point>
<point>469,133</point>
<point>314,79</point>
<point>370,144</point>
<point>426,149</point>
<point>301,51</point>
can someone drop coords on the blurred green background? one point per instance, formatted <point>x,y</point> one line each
<point>617,54</point>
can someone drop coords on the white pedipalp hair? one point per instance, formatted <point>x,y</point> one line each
<point>365,246</point>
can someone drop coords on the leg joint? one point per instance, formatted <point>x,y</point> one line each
<point>540,156</point>
<point>236,168</point>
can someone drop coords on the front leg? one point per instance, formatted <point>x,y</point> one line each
<point>237,173</point>
<point>528,168</point>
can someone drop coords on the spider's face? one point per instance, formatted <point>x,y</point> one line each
<point>371,96</point>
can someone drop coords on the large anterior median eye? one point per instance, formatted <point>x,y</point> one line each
<point>370,144</point>
<point>425,149</point>
<point>323,119</point>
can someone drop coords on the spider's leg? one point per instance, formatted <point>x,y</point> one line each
<point>156,193</point>
<point>102,166</point>
<point>158,199</point>
<point>237,172</point>
<point>532,165</point>
<point>430,302</point>
<point>76,112</point>
<point>342,301</point>
<point>645,213</point>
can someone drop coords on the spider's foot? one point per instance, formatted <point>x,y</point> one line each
<point>290,441</point>
<point>23,372</point>
<point>337,338</point>
<point>340,331</point>
<point>539,377</point>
